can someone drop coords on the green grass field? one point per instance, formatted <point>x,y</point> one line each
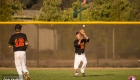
<point>68,74</point>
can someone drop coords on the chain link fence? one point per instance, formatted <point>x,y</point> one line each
<point>52,45</point>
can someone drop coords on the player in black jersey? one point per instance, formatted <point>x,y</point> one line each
<point>19,43</point>
<point>79,45</point>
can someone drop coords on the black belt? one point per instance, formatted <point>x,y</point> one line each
<point>79,53</point>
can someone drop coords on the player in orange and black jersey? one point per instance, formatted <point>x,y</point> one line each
<point>19,43</point>
<point>79,45</point>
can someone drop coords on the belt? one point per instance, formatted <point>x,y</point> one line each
<point>79,53</point>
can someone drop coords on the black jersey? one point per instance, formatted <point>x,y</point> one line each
<point>79,49</point>
<point>18,42</point>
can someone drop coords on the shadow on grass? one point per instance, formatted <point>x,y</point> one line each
<point>109,74</point>
<point>93,75</point>
<point>101,75</point>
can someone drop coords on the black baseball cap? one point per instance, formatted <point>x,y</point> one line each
<point>18,26</point>
<point>77,33</point>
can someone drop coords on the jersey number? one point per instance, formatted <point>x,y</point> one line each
<point>19,42</point>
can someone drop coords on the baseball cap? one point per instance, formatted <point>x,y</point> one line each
<point>18,26</point>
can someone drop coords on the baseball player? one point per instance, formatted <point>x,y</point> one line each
<point>79,45</point>
<point>19,43</point>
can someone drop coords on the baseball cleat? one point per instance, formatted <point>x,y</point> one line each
<point>27,76</point>
<point>83,74</point>
<point>76,74</point>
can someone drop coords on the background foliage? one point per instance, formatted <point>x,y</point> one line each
<point>97,10</point>
<point>61,10</point>
<point>8,8</point>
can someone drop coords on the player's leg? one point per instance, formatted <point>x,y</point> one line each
<point>76,64</point>
<point>23,62</point>
<point>84,60</point>
<point>18,64</point>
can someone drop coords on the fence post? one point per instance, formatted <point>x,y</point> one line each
<point>38,45</point>
<point>113,43</point>
<point>0,53</point>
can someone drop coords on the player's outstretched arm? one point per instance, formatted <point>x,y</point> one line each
<point>85,36</point>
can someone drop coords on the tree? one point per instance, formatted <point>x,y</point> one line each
<point>30,3</point>
<point>80,11</point>
<point>97,10</point>
<point>112,10</point>
<point>136,7</point>
<point>66,15</point>
<point>50,11</point>
<point>5,11</point>
<point>9,8</point>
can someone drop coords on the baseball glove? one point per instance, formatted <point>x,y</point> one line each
<point>82,31</point>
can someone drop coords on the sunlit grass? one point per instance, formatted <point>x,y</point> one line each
<point>68,74</point>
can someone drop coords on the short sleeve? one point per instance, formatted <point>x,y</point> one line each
<point>25,37</point>
<point>11,41</point>
<point>86,40</point>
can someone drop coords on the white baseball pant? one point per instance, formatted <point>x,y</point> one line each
<point>20,63</point>
<point>78,59</point>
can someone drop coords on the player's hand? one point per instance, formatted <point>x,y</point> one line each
<point>26,43</point>
<point>9,46</point>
